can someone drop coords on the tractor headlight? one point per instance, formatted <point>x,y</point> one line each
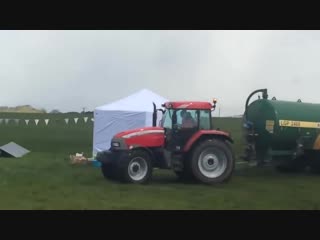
<point>115,144</point>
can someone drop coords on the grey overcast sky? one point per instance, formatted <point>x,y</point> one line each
<point>69,70</point>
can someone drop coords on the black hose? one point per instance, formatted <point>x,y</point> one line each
<point>264,96</point>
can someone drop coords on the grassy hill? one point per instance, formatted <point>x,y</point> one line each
<point>21,109</point>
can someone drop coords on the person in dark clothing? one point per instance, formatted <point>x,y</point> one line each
<point>188,121</point>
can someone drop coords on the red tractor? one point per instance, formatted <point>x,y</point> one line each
<point>185,142</point>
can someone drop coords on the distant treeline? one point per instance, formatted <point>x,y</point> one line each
<point>30,109</point>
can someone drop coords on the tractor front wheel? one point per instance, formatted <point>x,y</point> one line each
<point>212,161</point>
<point>137,168</point>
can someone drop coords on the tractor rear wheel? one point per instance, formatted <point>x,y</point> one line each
<point>137,168</point>
<point>212,161</point>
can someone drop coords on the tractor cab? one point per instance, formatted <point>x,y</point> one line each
<point>182,120</point>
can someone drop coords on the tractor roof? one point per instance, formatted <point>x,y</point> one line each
<point>188,105</point>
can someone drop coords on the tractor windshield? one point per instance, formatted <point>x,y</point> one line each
<point>182,118</point>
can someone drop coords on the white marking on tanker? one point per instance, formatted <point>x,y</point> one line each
<point>298,124</point>
<point>140,133</point>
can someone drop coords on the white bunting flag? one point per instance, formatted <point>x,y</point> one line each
<point>17,121</point>
<point>85,119</point>
<point>27,121</point>
<point>66,120</point>
<point>46,121</point>
<point>76,120</point>
<point>36,121</point>
<point>92,119</point>
<point>1,120</point>
<point>6,121</point>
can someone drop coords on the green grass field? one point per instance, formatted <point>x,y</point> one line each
<point>44,179</point>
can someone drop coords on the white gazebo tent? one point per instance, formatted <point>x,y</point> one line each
<point>134,111</point>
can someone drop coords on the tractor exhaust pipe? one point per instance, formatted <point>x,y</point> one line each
<point>154,115</point>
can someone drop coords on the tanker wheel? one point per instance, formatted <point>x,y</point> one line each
<point>314,166</point>
<point>137,168</point>
<point>108,171</point>
<point>212,162</point>
<point>296,165</point>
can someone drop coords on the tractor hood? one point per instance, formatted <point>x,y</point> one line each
<point>139,132</point>
<point>146,137</point>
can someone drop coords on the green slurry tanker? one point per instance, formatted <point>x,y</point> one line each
<point>283,133</point>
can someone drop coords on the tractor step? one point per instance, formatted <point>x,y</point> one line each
<point>176,162</point>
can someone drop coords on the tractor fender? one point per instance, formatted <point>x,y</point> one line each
<point>139,147</point>
<point>206,134</point>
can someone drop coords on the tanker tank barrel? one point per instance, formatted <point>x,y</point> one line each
<point>282,131</point>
